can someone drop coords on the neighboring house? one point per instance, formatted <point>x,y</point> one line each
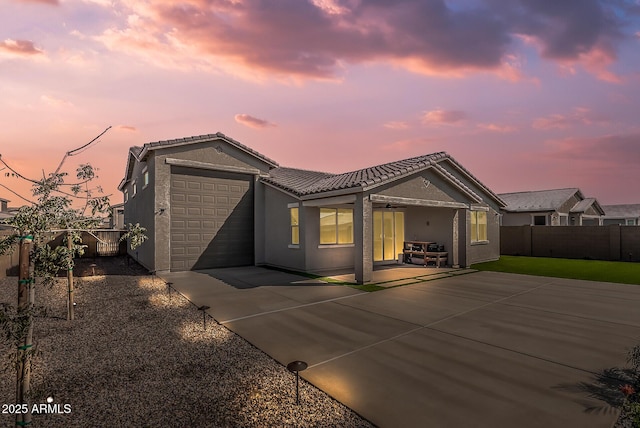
<point>627,214</point>
<point>210,201</point>
<point>6,212</point>
<point>557,207</point>
<point>116,219</point>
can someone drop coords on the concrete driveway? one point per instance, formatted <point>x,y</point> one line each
<point>477,350</point>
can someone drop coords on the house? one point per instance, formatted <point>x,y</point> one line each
<point>6,212</point>
<point>627,214</point>
<point>209,201</point>
<point>556,207</point>
<point>116,218</point>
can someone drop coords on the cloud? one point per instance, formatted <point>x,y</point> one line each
<point>571,33</point>
<point>49,2</point>
<point>397,125</point>
<point>253,122</point>
<point>618,150</point>
<point>579,116</point>
<point>127,128</point>
<point>493,127</point>
<point>19,48</point>
<point>418,145</point>
<point>446,117</point>
<point>55,102</point>
<point>317,38</point>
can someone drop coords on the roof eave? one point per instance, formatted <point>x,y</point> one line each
<point>207,138</point>
<point>330,193</point>
<point>473,179</point>
<point>128,170</point>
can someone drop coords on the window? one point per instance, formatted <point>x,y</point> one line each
<point>134,189</point>
<point>336,226</point>
<point>478,226</point>
<point>294,215</point>
<point>126,195</point>
<point>539,220</point>
<point>145,179</point>
<point>631,222</point>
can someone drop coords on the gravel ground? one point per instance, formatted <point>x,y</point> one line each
<point>139,356</point>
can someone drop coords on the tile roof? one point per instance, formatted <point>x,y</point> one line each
<point>538,200</point>
<point>302,182</point>
<point>136,150</point>
<point>305,182</point>
<point>621,211</point>
<point>199,139</point>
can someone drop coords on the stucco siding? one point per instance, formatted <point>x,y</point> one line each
<point>434,188</point>
<point>571,202</point>
<point>140,209</point>
<point>484,251</point>
<point>591,211</point>
<point>486,198</point>
<point>215,152</point>
<point>277,231</point>
<point>326,257</point>
<point>430,225</point>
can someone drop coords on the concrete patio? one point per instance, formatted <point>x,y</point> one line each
<point>482,349</point>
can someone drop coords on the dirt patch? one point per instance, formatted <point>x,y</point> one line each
<point>115,265</point>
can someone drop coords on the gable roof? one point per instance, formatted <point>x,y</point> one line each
<point>301,182</point>
<point>583,205</point>
<point>539,200</point>
<point>201,139</point>
<point>621,211</point>
<point>137,153</point>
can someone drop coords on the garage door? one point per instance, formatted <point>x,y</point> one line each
<point>211,219</point>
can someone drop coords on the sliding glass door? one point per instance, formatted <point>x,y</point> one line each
<point>388,234</point>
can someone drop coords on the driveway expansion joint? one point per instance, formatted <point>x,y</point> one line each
<point>290,308</point>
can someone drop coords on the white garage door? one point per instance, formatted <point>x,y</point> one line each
<point>211,219</point>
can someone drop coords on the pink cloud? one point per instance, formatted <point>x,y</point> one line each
<point>253,122</point>
<point>19,48</point>
<point>49,2</point>
<point>579,116</point>
<point>397,125</point>
<point>127,128</point>
<point>447,117</point>
<point>617,151</point>
<point>55,102</point>
<point>315,39</point>
<point>410,146</point>
<point>493,127</point>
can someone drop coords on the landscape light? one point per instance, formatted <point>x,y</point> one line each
<point>203,308</point>
<point>296,367</point>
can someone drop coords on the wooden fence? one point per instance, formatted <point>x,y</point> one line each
<point>612,242</point>
<point>99,243</point>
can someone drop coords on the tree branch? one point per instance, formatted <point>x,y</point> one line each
<point>73,152</point>
<point>17,194</point>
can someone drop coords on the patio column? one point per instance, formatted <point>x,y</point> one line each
<point>455,246</point>
<point>462,215</point>
<point>363,239</point>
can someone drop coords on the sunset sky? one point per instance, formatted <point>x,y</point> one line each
<point>526,94</point>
